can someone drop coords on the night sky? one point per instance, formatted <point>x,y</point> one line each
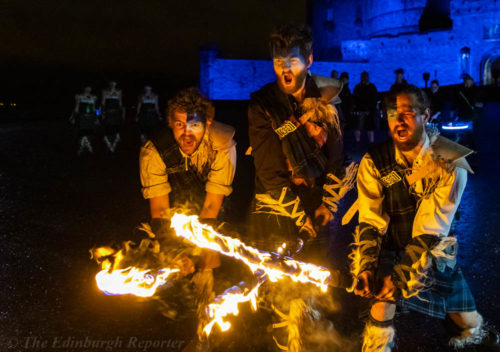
<point>161,36</point>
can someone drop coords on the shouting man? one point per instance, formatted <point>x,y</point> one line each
<point>409,190</point>
<point>296,143</point>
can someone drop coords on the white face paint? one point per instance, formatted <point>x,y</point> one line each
<point>188,130</point>
<point>291,70</point>
<point>406,124</point>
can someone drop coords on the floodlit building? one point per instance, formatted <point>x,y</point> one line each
<point>429,39</point>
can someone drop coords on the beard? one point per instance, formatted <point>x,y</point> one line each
<point>413,139</point>
<point>189,144</point>
<point>296,83</point>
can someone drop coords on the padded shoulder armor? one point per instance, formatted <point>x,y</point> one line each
<point>329,87</point>
<point>449,152</point>
<point>221,135</point>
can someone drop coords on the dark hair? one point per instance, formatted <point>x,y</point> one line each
<point>284,38</point>
<point>399,70</point>
<point>417,95</point>
<point>435,81</point>
<point>190,100</point>
<point>344,75</point>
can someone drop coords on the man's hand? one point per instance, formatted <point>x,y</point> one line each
<point>363,287</point>
<point>307,230</point>
<point>322,215</point>
<point>185,265</point>
<point>388,289</point>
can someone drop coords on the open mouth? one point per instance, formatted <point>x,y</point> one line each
<point>402,133</point>
<point>288,78</point>
<point>188,142</point>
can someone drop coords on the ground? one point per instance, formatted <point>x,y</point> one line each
<point>55,206</point>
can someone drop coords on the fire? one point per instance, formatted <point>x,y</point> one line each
<point>264,265</point>
<point>131,280</point>
<point>227,303</point>
<point>273,265</point>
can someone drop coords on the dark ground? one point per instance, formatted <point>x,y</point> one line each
<point>54,207</point>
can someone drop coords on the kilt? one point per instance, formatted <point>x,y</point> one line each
<point>449,293</point>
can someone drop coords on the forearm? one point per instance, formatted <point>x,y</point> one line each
<point>159,207</point>
<point>211,206</point>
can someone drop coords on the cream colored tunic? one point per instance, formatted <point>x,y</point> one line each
<point>222,150</point>
<point>436,210</point>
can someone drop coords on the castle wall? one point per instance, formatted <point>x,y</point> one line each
<point>445,55</point>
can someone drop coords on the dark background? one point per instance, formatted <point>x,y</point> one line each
<point>50,49</point>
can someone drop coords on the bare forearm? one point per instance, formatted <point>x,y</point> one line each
<point>212,205</point>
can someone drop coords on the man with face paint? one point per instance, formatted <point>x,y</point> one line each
<point>296,144</point>
<point>188,165</point>
<point>86,119</point>
<point>409,189</point>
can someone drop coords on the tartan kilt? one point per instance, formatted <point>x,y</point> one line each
<point>449,293</point>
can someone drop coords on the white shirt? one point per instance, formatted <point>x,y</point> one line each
<point>436,209</point>
<point>153,174</point>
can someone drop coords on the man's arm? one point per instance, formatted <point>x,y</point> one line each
<point>158,206</point>
<point>429,234</point>
<point>211,206</point>
<point>270,162</point>
<point>373,222</point>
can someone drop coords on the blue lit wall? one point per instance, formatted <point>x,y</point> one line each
<point>379,37</point>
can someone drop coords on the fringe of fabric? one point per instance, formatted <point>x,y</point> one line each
<point>469,337</point>
<point>419,281</point>
<point>295,320</point>
<point>335,189</point>
<point>359,260</point>
<point>268,205</point>
<point>378,339</point>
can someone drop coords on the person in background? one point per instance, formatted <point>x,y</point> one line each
<point>148,113</point>
<point>365,97</point>
<point>113,115</point>
<point>85,119</point>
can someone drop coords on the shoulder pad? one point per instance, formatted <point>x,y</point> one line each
<point>329,87</point>
<point>221,135</point>
<point>450,152</point>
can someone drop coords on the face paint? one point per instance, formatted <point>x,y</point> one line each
<point>290,70</point>
<point>188,129</point>
<point>406,124</point>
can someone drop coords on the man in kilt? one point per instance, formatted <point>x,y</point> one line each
<point>409,189</point>
<point>296,143</point>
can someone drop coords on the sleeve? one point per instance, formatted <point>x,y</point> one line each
<point>335,147</point>
<point>270,162</point>
<point>154,178</point>
<point>372,224</point>
<point>430,228</point>
<point>370,196</point>
<point>221,175</point>
<point>436,212</point>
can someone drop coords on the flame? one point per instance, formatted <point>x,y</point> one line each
<point>227,303</point>
<point>264,265</point>
<point>131,280</point>
<point>134,281</point>
<point>274,265</point>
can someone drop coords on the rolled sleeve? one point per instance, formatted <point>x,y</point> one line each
<point>436,212</point>
<point>370,196</point>
<point>221,175</point>
<point>154,178</point>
